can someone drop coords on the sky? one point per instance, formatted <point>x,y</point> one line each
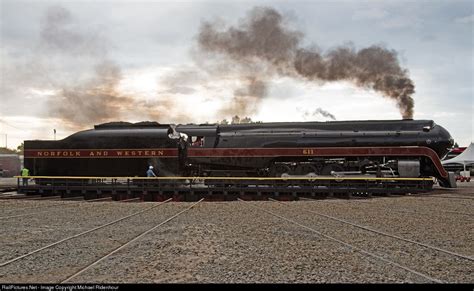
<point>67,65</point>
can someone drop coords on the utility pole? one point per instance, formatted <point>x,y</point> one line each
<point>54,130</point>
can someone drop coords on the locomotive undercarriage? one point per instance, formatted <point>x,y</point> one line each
<point>406,167</point>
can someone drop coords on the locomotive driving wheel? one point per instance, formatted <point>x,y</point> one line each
<point>328,169</point>
<point>304,169</point>
<point>280,171</point>
<point>277,170</point>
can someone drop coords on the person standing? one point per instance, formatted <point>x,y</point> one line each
<point>150,172</point>
<point>25,173</point>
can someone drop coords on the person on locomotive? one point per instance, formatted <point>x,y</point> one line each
<point>25,173</point>
<point>150,172</point>
<point>197,141</point>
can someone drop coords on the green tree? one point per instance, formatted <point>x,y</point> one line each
<point>20,148</point>
<point>235,120</point>
<point>246,120</point>
<point>7,151</point>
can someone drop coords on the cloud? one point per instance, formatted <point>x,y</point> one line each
<point>392,17</point>
<point>402,21</point>
<point>43,51</point>
<point>369,14</point>
<point>465,20</point>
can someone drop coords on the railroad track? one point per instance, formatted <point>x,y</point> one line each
<point>446,197</point>
<point>33,253</point>
<point>127,243</point>
<point>49,206</point>
<point>405,210</point>
<point>441,213</point>
<point>78,235</point>
<point>62,204</point>
<point>384,233</point>
<point>4,189</point>
<point>381,256</point>
<point>18,197</point>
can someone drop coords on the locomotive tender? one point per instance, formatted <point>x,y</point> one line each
<point>385,148</point>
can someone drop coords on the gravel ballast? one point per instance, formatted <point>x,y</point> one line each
<point>226,242</point>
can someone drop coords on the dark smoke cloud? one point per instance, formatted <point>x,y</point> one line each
<point>83,101</point>
<point>61,32</point>
<point>264,36</point>
<point>246,98</point>
<point>318,111</point>
<point>95,98</point>
<point>94,101</point>
<point>324,113</point>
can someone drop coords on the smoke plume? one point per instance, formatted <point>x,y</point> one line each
<point>324,113</point>
<point>95,100</point>
<point>246,99</point>
<point>317,112</point>
<point>264,44</point>
<point>88,91</point>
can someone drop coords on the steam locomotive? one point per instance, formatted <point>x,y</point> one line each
<point>388,148</point>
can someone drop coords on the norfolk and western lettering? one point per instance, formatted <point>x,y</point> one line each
<point>99,153</point>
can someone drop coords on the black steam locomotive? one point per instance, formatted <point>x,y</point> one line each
<point>388,148</point>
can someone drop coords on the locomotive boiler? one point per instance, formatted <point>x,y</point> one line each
<point>385,148</point>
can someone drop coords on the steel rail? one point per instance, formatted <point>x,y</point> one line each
<point>10,194</point>
<point>445,197</point>
<point>458,212</point>
<point>99,199</point>
<point>80,234</point>
<point>44,206</point>
<point>384,233</point>
<point>44,198</point>
<point>367,253</point>
<point>73,198</point>
<point>127,243</point>
<point>20,197</point>
<point>404,210</point>
<point>54,205</point>
<point>130,200</point>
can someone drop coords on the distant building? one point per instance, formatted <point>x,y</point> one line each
<point>10,165</point>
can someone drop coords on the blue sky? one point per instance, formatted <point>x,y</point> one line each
<point>152,43</point>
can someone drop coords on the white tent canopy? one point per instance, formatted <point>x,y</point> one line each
<point>465,158</point>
